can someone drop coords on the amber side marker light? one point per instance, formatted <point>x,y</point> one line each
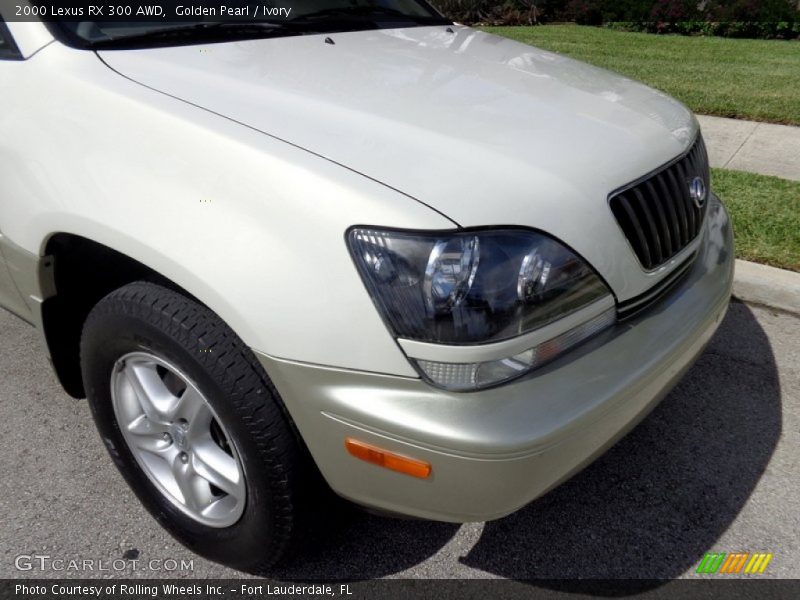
<point>388,460</point>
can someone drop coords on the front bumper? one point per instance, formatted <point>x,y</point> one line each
<point>495,450</point>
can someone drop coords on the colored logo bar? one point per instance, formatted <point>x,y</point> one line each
<point>735,562</point>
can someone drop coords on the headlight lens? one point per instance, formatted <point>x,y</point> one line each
<point>466,376</point>
<point>478,287</point>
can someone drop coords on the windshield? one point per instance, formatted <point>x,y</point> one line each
<point>212,21</point>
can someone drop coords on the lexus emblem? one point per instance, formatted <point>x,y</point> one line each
<point>698,191</point>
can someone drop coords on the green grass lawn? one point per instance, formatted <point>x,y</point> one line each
<point>746,79</point>
<point>766,216</point>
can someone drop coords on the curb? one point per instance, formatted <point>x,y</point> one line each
<point>760,284</point>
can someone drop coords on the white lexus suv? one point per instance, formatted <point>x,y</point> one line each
<point>358,246</point>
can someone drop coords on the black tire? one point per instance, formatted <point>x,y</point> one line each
<point>148,317</point>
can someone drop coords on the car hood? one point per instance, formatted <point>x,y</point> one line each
<point>483,129</point>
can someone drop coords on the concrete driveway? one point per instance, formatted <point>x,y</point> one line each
<point>751,146</point>
<point>715,467</point>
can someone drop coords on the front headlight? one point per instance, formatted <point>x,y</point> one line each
<point>465,295</point>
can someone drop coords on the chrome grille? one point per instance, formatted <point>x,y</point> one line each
<point>657,214</point>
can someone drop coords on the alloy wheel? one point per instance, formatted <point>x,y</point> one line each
<point>177,439</point>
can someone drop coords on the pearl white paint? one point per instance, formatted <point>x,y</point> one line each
<point>235,169</point>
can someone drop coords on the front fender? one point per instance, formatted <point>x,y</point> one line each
<point>250,225</point>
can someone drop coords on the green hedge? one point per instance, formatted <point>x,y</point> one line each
<point>731,18</point>
<point>785,30</point>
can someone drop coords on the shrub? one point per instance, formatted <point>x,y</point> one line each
<point>732,18</point>
<point>736,29</point>
<point>674,11</point>
<point>586,12</point>
<point>763,11</point>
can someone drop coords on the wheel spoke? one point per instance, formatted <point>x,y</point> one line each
<point>145,436</point>
<point>141,425</point>
<point>153,396</point>
<point>192,407</point>
<point>218,468</point>
<point>186,478</point>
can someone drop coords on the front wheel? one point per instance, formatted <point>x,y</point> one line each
<point>194,425</point>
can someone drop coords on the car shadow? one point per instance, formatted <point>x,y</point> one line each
<point>649,508</point>
<point>661,497</point>
<point>354,545</point>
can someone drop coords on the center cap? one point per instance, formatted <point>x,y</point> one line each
<point>179,436</point>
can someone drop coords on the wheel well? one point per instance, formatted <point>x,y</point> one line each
<point>83,272</point>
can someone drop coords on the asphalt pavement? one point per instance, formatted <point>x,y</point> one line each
<point>716,467</point>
